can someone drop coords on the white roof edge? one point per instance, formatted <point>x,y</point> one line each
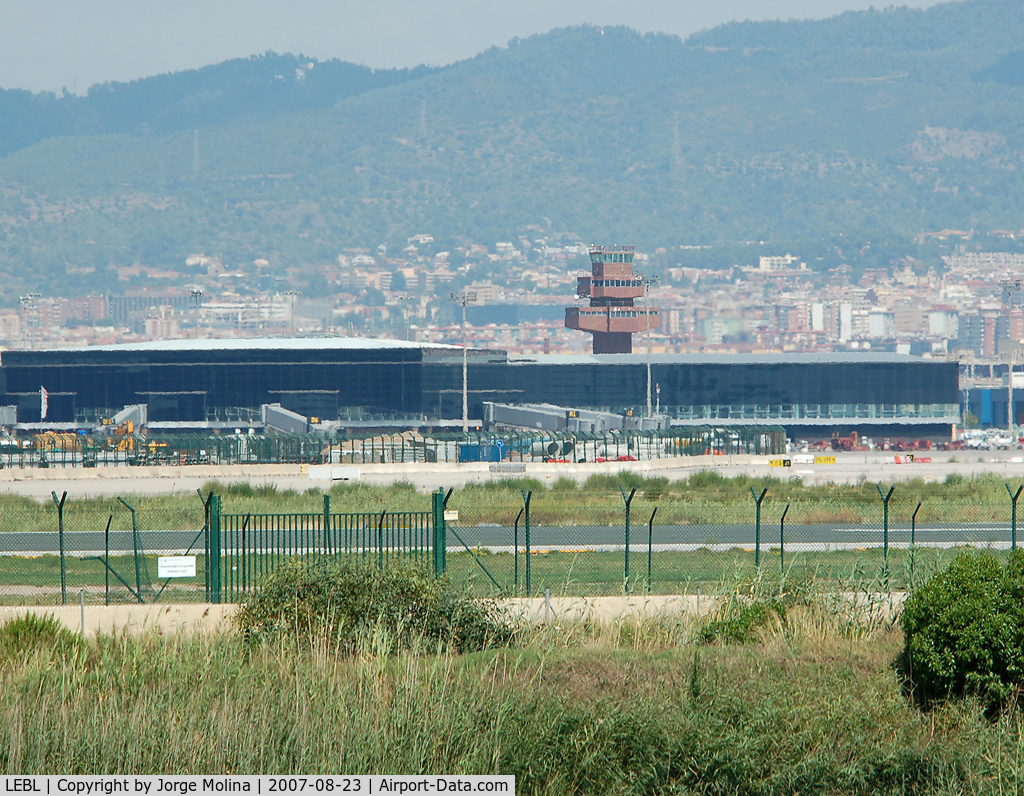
<point>261,343</point>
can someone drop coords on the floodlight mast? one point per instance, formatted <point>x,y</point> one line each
<point>293,294</point>
<point>464,298</point>
<point>197,299</point>
<point>648,281</point>
<point>1010,287</point>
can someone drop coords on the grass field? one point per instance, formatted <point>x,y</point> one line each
<point>960,510</point>
<point>705,498</point>
<point>813,706</point>
<point>29,581</point>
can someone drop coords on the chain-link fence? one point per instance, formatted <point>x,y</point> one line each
<point>497,540</point>
<point>110,551</point>
<point>81,450</point>
<point>635,541</point>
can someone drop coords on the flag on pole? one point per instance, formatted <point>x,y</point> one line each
<point>44,403</point>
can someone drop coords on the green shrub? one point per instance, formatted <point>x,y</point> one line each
<point>565,484</point>
<point>514,484</point>
<point>964,631</point>
<point>753,603</point>
<point>655,488</point>
<point>624,479</point>
<point>349,602</point>
<point>24,635</point>
<point>737,621</point>
<point>708,479</point>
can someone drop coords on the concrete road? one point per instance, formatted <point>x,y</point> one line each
<point>501,538</point>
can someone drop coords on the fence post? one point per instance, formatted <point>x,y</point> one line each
<point>215,549</point>
<point>380,539</point>
<point>650,545</point>
<point>206,537</point>
<point>757,525</point>
<point>328,550</point>
<point>135,546</point>
<point>1013,514</point>
<point>885,524</point>
<point>438,502</point>
<point>782,541</point>
<point>527,494</point>
<point>515,548</point>
<point>627,501</point>
<point>60,537</point>
<point>913,551</point>
<point>106,562</point>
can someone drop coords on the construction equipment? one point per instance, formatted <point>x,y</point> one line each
<point>123,438</point>
<point>58,441</point>
<point>840,443</point>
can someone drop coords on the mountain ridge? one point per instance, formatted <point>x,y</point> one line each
<point>585,132</point>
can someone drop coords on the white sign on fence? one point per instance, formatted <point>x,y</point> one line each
<point>176,567</point>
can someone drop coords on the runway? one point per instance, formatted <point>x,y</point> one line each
<point>850,468</point>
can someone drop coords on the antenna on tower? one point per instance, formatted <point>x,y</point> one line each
<point>195,156</point>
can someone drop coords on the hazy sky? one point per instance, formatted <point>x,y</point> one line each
<point>50,44</point>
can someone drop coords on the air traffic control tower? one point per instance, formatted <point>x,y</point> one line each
<point>612,317</point>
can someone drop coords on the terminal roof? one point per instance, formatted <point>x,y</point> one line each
<point>263,344</point>
<point>831,358</point>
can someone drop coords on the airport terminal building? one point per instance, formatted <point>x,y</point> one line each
<point>358,379</point>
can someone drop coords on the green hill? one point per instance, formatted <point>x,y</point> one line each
<point>892,121</point>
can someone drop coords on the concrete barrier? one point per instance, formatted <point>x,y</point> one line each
<point>168,619</point>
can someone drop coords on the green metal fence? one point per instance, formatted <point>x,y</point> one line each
<point>81,450</point>
<point>248,547</point>
<point>496,540</point>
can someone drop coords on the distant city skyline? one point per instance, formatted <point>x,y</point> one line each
<point>50,45</point>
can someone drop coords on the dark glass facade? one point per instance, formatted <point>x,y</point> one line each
<point>767,380</point>
<point>188,384</point>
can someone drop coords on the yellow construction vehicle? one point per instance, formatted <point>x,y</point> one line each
<point>123,438</point>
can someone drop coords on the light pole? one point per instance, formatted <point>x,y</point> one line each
<point>464,298</point>
<point>23,301</point>
<point>648,281</point>
<point>292,294</point>
<point>404,299</point>
<point>197,299</point>
<point>28,304</point>
<point>1010,288</point>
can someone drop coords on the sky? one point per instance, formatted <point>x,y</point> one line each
<point>50,45</point>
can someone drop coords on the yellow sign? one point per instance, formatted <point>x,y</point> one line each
<point>824,459</point>
<point>779,463</point>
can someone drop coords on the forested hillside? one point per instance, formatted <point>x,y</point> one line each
<point>892,121</point>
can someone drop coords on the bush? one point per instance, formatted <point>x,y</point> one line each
<point>737,621</point>
<point>345,603</point>
<point>24,635</point>
<point>655,488</point>
<point>754,603</point>
<point>514,484</point>
<point>964,632</point>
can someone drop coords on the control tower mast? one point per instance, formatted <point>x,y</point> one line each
<point>612,287</point>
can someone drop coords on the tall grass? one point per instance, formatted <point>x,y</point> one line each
<point>704,498</point>
<point>633,706</point>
